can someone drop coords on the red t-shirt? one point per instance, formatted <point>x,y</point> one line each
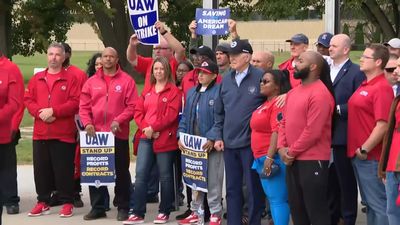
<point>150,105</point>
<point>51,78</point>
<point>394,153</point>
<point>306,127</point>
<point>369,104</point>
<point>144,67</point>
<point>263,123</point>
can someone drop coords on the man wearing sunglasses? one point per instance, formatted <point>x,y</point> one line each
<point>391,77</point>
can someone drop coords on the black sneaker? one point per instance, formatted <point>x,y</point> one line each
<point>93,215</point>
<point>184,215</point>
<point>122,215</point>
<point>12,209</point>
<point>78,203</point>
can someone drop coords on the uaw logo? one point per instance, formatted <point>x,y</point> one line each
<point>324,36</point>
<point>201,46</point>
<point>211,102</point>
<point>118,88</point>
<point>233,44</point>
<point>204,64</point>
<point>164,99</point>
<point>63,88</point>
<point>1,81</point>
<point>364,93</point>
<point>97,183</point>
<point>252,90</point>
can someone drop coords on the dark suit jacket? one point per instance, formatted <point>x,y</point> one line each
<point>346,82</point>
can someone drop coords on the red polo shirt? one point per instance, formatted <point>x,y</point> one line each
<point>369,104</point>
<point>263,123</point>
<point>395,147</point>
<point>144,67</point>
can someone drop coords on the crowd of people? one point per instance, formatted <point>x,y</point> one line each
<point>294,143</point>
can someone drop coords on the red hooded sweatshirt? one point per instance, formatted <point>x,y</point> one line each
<point>100,104</point>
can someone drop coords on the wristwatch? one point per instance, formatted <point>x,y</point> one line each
<point>363,151</point>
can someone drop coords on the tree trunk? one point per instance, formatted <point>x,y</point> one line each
<point>396,17</point>
<point>5,27</point>
<point>382,19</point>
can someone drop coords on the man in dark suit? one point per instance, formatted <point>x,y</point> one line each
<point>346,77</point>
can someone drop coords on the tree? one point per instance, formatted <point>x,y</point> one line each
<point>5,26</point>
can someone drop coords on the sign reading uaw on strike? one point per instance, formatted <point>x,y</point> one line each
<point>194,161</point>
<point>97,159</point>
<point>212,21</point>
<point>143,15</point>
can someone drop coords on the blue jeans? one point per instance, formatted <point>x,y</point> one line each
<point>392,191</point>
<point>145,159</point>
<point>276,191</point>
<point>372,188</point>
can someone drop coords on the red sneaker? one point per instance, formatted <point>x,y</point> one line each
<point>66,210</point>
<point>40,208</point>
<point>192,218</point>
<point>215,220</point>
<point>161,219</point>
<point>133,219</point>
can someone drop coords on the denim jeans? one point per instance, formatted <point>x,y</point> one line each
<point>372,188</point>
<point>145,159</point>
<point>276,191</point>
<point>392,191</point>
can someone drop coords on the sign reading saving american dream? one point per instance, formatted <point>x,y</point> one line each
<point>97,159</point>
<point>212,21</point>
<point>194,161</point>
<point>143,15</point>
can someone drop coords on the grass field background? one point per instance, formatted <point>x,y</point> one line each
<point>80,59</point>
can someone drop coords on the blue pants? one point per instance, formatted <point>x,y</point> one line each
<point>238,165</point>
<point>392,191</point>
<point>373,189</point>
<point>276,191</point>
<point>145,159</point>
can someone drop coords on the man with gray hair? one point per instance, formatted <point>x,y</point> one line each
<point>52,98</point>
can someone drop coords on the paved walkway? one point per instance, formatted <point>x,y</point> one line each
<point>28,199</point>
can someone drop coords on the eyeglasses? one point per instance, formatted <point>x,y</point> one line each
<point>390,69</point>
<point>367,57</point>
<point>264,81</point>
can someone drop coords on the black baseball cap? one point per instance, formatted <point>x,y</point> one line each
<point>204,50</point>
<point>240,46</point>
<point>208,66</point>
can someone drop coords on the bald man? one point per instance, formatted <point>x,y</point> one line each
<point>263,60</point>
<point>346,77</point>
<point>306,128</point>
<point>107,104</point>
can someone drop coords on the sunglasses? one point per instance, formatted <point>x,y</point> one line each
<point>390,69</point>
<point>264,81</point>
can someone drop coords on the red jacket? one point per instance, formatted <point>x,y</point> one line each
<point>168,107</point>
<point>63,98</point>
<point>101,105</point>
<point>12,68</point>
<point>288,65</point>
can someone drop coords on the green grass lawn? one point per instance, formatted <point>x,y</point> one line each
<point>80,59</point>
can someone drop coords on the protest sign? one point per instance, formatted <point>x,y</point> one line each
<point>212,21</point>
<point>97,159</point>
<point>143,15</point>
<point>194,162</point>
